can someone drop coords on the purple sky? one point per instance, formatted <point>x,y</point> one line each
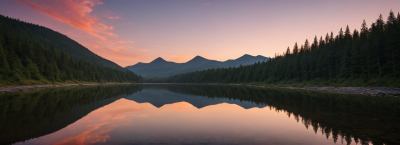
<point>128,32</point>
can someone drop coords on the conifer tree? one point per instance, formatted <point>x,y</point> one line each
<point>346,51</point>
<point>17,66</point>
<point>355,55</point>
<point>389,48</point>
<point>4,69</point>
<point>33,70</point>
<point>49,72</point>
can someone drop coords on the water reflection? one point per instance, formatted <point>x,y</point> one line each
<point>161,97</point>
<point>195,114</point>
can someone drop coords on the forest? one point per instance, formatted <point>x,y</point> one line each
<point>26,61</point>
<point>371,53</point>
<point>48,37</point>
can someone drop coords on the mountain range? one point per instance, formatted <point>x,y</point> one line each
<point>162,68</point>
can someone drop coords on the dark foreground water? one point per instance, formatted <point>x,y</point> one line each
<point>195,114</point>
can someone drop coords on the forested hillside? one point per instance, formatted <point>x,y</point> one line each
<point>48,38</point>
<point>25,61</point>
<point>365,54</point>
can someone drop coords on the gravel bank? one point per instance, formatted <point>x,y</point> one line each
<point>35,87</point>
<point>366,91</point>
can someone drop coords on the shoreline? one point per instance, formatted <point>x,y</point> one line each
<point>365,91</point>
<point>38,87</point>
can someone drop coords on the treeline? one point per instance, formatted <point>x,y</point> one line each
<point>362,54</point>
<point>25,61</point>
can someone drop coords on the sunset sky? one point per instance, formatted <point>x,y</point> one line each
<point>131,31</point>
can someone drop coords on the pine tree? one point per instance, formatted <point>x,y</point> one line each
<point>389,47</point>
<point>355,55</point>
<point>17,66</point>
<point>364,51</point>
<point>49,71</point>
<point>56,72</point>
<point>4,69</point>
<point>312,60</point>
<point>377,44</point>
<point>33,70</point>
<point>288,72</point>
<point>304,61</point>
<point>321,61</point>
<point>396,47</point>
<point>346,51</point>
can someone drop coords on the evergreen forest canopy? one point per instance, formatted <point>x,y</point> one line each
<point>365,54</point>
<point>25,61</point>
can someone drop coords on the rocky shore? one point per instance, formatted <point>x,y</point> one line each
<point>366,91</point>
<point>36,87</point>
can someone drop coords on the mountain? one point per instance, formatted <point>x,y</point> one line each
<point>160,98</point>
<point>48,38</point>
<point>32,54</point>
<point>161,68</point>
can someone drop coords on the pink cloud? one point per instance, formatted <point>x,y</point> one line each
<point>105,27</point>
<point>76,13</point>
<point>72,12</point>
<point>114,17</point>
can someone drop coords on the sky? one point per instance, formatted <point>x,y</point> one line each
<point>131,31</point>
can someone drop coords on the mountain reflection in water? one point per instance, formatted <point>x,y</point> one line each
<point>195,114</point>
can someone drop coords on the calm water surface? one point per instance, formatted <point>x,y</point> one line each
<point>195,114</point>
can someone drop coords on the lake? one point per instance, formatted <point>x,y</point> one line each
<point>195,114</point>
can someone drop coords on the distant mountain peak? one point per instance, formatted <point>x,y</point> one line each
<point>198,57</point>
<point>158,59</point>
<point>247,55</point>
<point>161,68</point>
